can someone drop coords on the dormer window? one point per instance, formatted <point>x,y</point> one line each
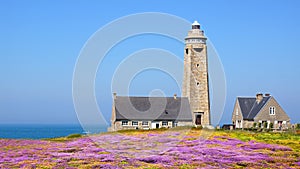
<point>272,110</point>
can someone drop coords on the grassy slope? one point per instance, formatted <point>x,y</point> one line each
<point>287,139</point>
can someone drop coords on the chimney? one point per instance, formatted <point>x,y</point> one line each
<point>175,96</point>
<point>115,96</point>
<point>259,97</point>
<point>267,94</point>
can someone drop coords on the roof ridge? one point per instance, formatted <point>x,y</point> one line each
<point>245,106</point>
<point>263,102</point>
<point>268,99</point>
<point>246,97</point>
<point>251,109</point>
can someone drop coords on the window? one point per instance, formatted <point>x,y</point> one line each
<point>145,123</point>
<point>135,123</point>
<point>197,65</point>
<point>164,123</point>
<point>237,112</point>
<point>272,110</point>
<point>124,123</point>
<point>175,124</point>
<point>187,51</point>
<point>198,83</point>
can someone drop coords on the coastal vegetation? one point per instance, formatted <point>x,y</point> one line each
<point>163,148</point>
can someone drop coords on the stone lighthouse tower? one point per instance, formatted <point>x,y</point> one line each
<point>195,78</point>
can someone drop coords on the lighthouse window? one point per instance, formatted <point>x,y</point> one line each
<point>197,64</point>
<point>187,51</point>
<point>198,83</point>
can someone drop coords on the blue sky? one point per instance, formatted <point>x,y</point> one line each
<point>257,41</point>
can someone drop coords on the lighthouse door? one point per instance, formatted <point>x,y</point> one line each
<point>198,119</point>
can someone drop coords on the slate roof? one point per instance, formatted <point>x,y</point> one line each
<point>250,108</point>
<point>152,108</point>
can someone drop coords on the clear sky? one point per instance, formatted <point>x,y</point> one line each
<point>257,41</point>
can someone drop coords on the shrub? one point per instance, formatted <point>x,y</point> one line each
<point>271,125</point>
<point>254,125</point>
<point>265,125</point>
<point>250,129</point>
<point>298,126</point>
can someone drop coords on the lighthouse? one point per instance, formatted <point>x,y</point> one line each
<point>195,78</point>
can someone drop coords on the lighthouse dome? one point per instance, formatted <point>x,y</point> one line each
<point>195,25</point>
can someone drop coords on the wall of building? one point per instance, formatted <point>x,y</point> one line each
<point>247,124</point>
<point>237,116</point>
<point>280,115</point>
<point>118,125</point>
<point>184,123</point>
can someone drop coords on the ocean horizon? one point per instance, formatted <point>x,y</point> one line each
<point>40,131</point>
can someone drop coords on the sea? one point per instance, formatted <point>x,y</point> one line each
<point>40,131</point>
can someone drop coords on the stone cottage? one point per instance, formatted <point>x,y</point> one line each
<point>150,112</point>
<point>261,110</point>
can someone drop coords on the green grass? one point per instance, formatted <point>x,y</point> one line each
<point>67,138</point>
<point>288,139</point>
<point>74,136</point>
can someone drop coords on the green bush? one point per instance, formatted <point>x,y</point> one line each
<point>298,126</point>
<point>271,125</point>
<point>254,125</point>
<point>251,129</point>
<point>265,125</point>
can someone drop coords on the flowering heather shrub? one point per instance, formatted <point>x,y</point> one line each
<point>152,149</point>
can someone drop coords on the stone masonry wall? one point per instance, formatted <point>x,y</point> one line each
<point>195,82</point>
